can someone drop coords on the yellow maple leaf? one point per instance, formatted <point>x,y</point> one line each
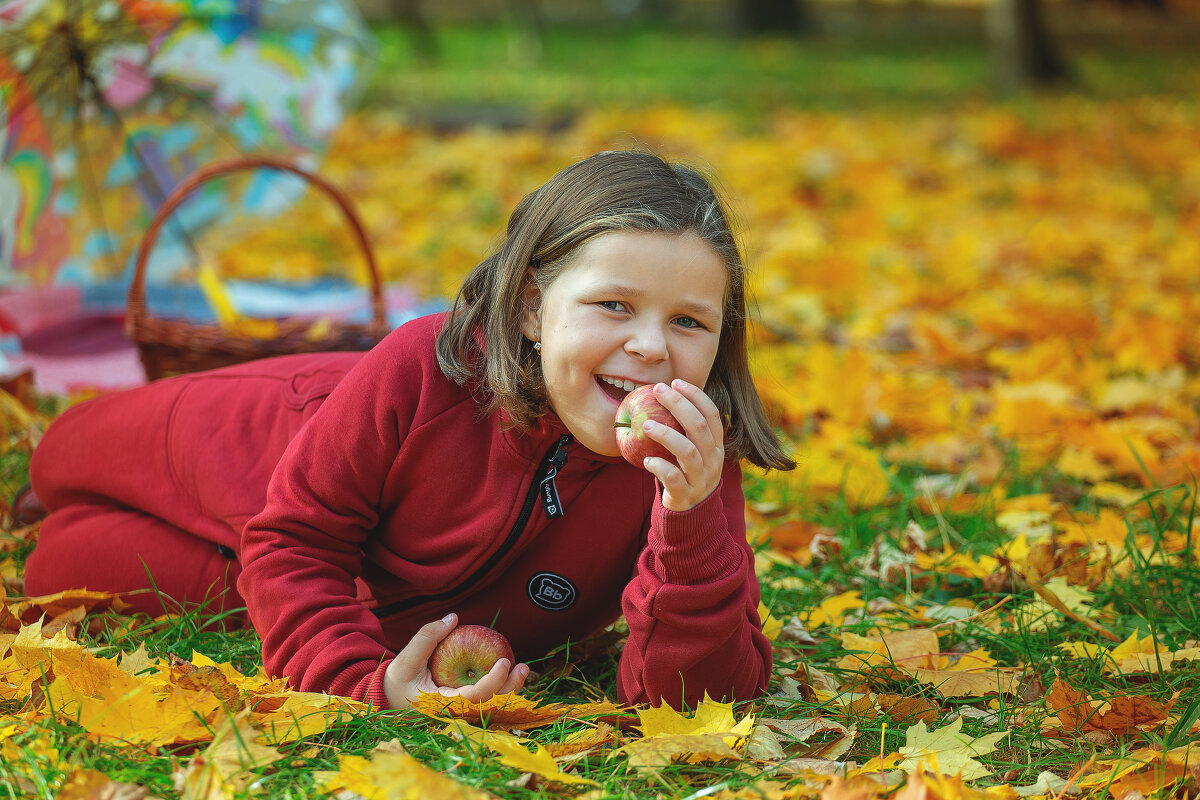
<point>833,610</point>
<point>709,717</point>
<point>540,762</point>
<point>224,768</point>
<point>34,652</point>
<point>1086,650</point>
<point>948,750</point>
<point>659,751</point>
<point>391,775</point>
<point>1081,463</point>
<point>140,717</point>
<point>303,714</point>
<point>1145,655</point>
<point>1115,494</point>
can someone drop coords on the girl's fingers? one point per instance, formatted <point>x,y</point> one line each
<point>490,684</point>
<point>415,655</point>
<point>516,679</point>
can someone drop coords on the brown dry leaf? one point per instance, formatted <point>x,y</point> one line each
<point>799,731</point>
<point>53,605</point>
<point>89,784</point>
<point>501,712</point>
<point>208,679</point>
<point>763,745</point>
<point>970,683</point>
<point>1119,715</point>
<point>893,654</point>
<point>909,710</point>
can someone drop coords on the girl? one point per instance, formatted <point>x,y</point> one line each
<point>464,469</point>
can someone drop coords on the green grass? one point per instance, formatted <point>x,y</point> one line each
<point>1145,596</point>
<point>489,71</point>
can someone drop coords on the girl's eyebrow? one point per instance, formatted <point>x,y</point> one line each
<point>693,307</point>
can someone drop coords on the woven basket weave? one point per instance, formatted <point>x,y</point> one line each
<point>172,347</point>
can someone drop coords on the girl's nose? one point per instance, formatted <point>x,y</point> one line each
<point>648,343</point>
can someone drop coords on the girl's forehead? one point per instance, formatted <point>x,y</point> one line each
<point>634,264</point>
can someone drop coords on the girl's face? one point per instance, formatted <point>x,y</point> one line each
<point>633,308</point>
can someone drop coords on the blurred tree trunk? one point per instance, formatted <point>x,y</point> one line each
<point>1023,53</point>
<point>775,16</point>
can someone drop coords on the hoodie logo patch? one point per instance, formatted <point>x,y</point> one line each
<point>551,592</point>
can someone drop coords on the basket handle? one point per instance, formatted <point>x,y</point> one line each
<point>137,287</point>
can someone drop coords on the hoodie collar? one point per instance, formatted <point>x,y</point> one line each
<point>535,441</point>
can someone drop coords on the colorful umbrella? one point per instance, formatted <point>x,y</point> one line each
<point>106,105</point>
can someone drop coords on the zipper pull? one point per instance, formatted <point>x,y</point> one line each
<point>551,505</point>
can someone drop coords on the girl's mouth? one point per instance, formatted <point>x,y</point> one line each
<point>617,393</point>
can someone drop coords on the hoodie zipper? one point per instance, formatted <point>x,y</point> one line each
<point>542,486</point>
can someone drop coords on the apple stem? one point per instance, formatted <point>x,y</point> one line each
<point>621,425</point>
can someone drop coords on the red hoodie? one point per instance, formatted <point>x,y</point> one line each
<point>398,502</point>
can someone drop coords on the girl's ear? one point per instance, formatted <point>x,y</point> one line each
<point>531,313</point>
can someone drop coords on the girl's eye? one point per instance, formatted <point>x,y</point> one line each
<point>688,322</point>
<point>611,305</point>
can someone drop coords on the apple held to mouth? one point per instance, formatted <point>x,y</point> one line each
<point>638,406</point>
<point>467,654</point>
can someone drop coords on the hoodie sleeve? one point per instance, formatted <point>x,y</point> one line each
<point>692,606</point>
<point>302,553</point>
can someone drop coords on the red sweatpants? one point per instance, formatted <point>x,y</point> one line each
<point>148,490</point>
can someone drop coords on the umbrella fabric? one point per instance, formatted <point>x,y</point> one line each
<point>105,105</point>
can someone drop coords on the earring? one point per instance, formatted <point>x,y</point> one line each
<point>537,346</point>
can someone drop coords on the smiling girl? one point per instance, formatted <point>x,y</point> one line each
<point>466,469</point>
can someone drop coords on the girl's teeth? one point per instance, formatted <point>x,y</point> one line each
<point>628,386</point>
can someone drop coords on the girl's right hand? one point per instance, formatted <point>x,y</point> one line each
<point>408,675</point>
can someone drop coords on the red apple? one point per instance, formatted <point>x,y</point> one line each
<point>637,407</point>
<point>467,654</point>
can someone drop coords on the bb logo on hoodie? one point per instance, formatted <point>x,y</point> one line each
<point>551,592</point>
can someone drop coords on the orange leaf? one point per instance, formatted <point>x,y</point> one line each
<point>503,711</point>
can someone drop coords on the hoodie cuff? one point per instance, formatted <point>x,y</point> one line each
<point>692,547</point>
<point>363,682</point>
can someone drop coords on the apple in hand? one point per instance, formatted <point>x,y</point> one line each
<point>467,654</point>
<point>638,406</point>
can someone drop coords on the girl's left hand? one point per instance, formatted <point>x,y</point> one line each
<point>699,449</point>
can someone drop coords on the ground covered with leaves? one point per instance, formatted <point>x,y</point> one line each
<point>978,331</point>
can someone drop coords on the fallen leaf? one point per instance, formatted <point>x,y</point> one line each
<point>948,750</point>
<point>659,751</point>
<point>226,767</point>
<point>584,741</point>
<point>390,774</point>
<point>503,711</point>
<point>1118,715</point>
<point>539,762</point>
<point>90,784</point>
<point>1050,785</point>
<point>908,710</point>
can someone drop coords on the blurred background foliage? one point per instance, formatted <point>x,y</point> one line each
<point>501,62</point>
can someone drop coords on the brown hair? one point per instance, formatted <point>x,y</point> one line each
<point>610,191</point>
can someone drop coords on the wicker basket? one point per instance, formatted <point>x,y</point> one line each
<point>172,347</point>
